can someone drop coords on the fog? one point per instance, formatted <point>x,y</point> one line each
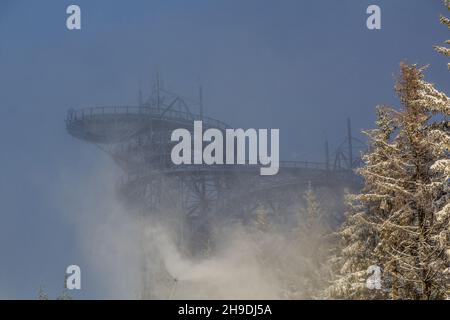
<point>141,257</point>
<point>299,66</point>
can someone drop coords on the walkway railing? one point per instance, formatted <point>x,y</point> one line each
<point>169,114</point>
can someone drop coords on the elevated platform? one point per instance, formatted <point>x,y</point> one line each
<point>116,124</point>
<point>138,139</point>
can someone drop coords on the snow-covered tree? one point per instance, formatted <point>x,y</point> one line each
<point>312,229</point>
<point>261,221</point>
<point>311,213</point>
<point>414,229</point>
<point>311,237</point>
<point>42,295</point>
<point>445,21</point>
<point>400,221</point>
<point>358,237</point>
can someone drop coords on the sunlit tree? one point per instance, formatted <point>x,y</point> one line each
<point>404,206</point>
<point>445,21</point>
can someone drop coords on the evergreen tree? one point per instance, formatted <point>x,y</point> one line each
<point>445,21</point>
<point>42,295</point>
<point>261,222</point>
<point>400,221</point>
<point>311,237</point>
<point>358,237</point>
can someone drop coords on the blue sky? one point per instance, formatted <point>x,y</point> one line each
<point>300,66</point>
